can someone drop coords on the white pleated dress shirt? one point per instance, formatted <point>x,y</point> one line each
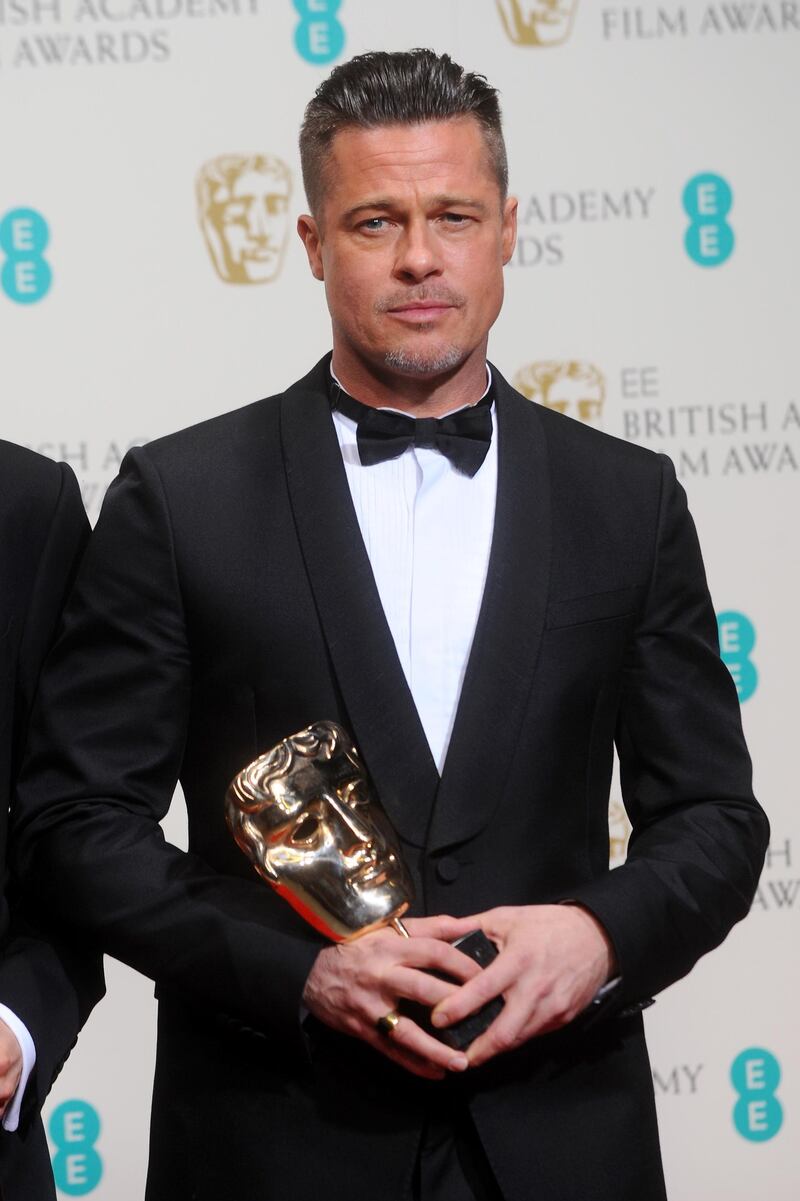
<point>427,529</point>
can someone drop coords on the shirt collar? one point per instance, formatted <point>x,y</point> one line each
<point>449,411</point>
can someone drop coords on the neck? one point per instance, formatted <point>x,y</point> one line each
<point>417,395</point>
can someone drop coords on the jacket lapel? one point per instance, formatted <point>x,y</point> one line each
<point>508,634</point>
<point>383,718</point>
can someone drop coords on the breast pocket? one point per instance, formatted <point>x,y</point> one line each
<point>616,604</point>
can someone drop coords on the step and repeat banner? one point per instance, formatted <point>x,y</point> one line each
<point>150,277</point>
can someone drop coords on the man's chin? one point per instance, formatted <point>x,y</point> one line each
<point>428,362</point>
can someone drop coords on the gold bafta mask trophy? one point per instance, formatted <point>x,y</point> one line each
<point>307,819</point>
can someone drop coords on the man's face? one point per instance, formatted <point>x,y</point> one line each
<point>411,242</point>
<point>326,845</point>
<point>252,225</point>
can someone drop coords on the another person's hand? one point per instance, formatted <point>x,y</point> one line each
<point>10,1065</point>
<point>552,960</point>
<point>353,984</point>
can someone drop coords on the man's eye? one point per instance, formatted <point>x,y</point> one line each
<point>306,830</point>
<point>373,224</point>
<point>455,218</point>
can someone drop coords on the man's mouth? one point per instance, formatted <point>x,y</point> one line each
<point>420,310</point>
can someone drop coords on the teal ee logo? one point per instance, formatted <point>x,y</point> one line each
<point>25,275</point>
<point>319,38</point>
<point>709,239</point>
<point>737,637</point>
<point>758,1114</point>
<point>75,1128</point>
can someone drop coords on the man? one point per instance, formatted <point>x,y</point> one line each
<point>484,630</point>
<point>46,990</point>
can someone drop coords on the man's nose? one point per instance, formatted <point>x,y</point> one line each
<point>418,252</point>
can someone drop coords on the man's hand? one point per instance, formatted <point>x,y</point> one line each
<point>552,960</point>
<point>352,984</point>
<point>10,1065</point>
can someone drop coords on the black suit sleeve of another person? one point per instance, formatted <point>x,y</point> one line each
<point>106,750</point>
<point>699,837</point>
<point>52,986</point>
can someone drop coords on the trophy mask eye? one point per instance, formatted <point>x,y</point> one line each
<point>306,830</point>
<point>354,793</point>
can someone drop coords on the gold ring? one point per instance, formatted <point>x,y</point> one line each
<point>388,1023</point>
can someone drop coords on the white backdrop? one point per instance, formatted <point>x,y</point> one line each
<point>654,290</point>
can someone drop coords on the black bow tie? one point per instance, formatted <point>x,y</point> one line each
<point>382,434</point>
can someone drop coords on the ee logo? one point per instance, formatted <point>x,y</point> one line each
<point>25,275</point>
<point>737,637</point>
<point>758,1114</point>
<point>709,239</point>
<point>319,37</point>
<point>75,1128</point>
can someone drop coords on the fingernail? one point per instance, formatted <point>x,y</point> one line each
<point>459,1063</point>
<point>439,1018</point>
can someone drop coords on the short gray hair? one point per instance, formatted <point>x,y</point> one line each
<point>401,88</point>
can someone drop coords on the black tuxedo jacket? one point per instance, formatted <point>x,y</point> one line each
<point>226,600</point>
<point>43,530</point>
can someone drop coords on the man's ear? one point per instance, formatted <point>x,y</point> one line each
<point>309,234</point>
<point>509,234</point>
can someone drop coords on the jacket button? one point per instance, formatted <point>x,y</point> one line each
<point>448,869</point>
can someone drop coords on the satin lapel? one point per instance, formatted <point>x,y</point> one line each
<point>383,718</point>
<point>505,649</point>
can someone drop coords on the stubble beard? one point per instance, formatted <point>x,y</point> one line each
<point>433,361</point>
<point>415,362</point>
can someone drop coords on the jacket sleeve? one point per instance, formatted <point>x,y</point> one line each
<point>51,985</point>
<point>106,749</point>
<point>699,836</point>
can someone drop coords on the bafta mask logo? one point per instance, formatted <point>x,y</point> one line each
<point>243,203</point>
<point>537,22</point>
<point>573,387</point>
<point>619,831</point>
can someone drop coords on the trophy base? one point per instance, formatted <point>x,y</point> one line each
<point>461,1034</point>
